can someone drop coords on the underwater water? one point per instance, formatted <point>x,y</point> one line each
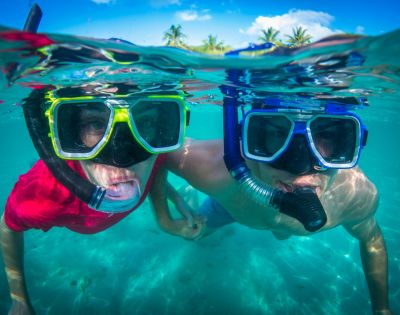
<point>134,267</point>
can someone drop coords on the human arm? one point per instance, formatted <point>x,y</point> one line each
<point>180,204</point>
<point>191,227</point>
<point>12,246</point>
<point>375,262</point>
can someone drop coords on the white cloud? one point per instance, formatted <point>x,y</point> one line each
<point>360,29</point>
<point>316,23</point>
<point>103,1</point>
<point>164,3</point>
<point>193,15</point>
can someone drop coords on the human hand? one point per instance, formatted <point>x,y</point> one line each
<point>194,229</point>
<point>21,308</point>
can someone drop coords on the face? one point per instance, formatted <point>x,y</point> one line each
<point>121,183</point>
<point>287,182</point>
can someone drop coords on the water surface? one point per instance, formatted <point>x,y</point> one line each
<point>135,268</point>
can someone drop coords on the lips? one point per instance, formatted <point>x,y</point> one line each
<point>123,190</point>
<point>290,187</point>
<point>285,187</point>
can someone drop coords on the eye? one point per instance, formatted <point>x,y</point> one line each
<point>93,126</point>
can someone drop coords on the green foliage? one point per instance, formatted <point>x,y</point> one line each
<point>202,49</point>
<point>174,36</point>
<point>299,37</point>
<point>269,35</point>
<point>212,45</point>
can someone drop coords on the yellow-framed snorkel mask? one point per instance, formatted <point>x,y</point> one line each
<point>81,127</point>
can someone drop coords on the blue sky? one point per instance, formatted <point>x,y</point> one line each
<point>236,22</point>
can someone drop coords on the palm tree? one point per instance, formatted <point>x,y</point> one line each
<point>269,35</point>
<point>174,36</point>
<point>211,44</point>
<point>299,37</point>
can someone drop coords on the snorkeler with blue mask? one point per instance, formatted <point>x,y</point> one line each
<point>300,142</point>
<point>287,168</point>
<point>299,176</point>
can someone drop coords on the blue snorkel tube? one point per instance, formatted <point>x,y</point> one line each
<point>302,204</point>
<point>235,163</point>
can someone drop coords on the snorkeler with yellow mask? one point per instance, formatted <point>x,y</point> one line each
<point>100,148</point>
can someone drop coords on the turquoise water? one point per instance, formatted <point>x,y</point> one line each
<point>135,268</point>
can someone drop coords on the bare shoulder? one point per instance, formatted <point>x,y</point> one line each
<point>361,193</point>
<point>200,162</point>
<point>194,152</point>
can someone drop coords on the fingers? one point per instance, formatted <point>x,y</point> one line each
<point>198,229</point>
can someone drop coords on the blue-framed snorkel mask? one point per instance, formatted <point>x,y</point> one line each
<point>303,141</point>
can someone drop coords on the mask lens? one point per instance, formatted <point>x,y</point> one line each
<point>80,127</point>
<point>158,123</point>
<point>335,138</point>
<point>267,135</point>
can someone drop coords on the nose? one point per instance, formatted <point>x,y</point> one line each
<point>122,150</point>
<point>298,158</point>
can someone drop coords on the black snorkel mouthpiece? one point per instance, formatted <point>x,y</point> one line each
<point>302,204</point>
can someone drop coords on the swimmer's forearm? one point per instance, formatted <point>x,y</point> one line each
<point>158,197</point>
<point>180,204</point>
<point>12,246</point>
<point>375,265</point>
<point>166,222</point>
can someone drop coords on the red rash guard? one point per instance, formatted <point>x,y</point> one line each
<point>39,201</point>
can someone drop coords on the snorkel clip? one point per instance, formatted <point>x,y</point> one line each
<point>97,197</point>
